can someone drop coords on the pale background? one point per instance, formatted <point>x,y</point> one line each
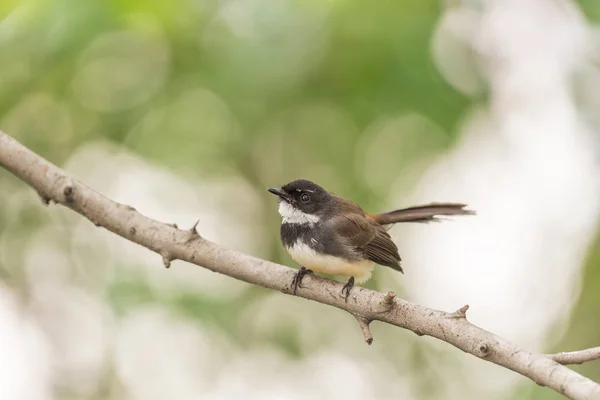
<point>190,109</point>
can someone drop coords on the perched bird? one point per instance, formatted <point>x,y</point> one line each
<point>329,234</point>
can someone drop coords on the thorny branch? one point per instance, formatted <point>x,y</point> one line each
<point>171,243</point>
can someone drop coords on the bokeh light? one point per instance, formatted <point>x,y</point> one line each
<point>189,110</point>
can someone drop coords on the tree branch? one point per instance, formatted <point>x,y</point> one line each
<point>576,357</point>
<point>171,243</point>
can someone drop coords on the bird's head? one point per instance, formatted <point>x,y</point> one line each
<point>302,202</point>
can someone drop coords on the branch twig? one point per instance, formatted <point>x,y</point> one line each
<point>364,326</point>
<point>576,357</point>
<point>171,243</point>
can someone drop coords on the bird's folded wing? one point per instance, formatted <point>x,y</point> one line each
<point>367,238</point>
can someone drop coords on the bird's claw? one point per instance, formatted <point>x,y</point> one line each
<point>296,282</point>
<point>347,287</point>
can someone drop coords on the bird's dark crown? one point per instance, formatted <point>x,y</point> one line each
<point>302,185</point>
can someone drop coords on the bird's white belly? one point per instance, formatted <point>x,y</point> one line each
<point>307,257</point>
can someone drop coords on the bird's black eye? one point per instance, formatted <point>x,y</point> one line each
<point>304,198</point>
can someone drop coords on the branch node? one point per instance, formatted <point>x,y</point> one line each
<point>167,258</point>
<point>68,193</point>
<point>132,231</point>
<point>173,226</point>
<point>63,190</point>
<point>390,299</point>
<point>460,313</point>
<point>364,326</point>
<point>484,349</point>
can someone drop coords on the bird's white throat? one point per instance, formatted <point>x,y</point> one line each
<point>291,215</point>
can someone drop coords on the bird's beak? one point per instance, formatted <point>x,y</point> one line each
<point>282,195</point>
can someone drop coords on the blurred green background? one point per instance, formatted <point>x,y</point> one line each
<point>229,98</point>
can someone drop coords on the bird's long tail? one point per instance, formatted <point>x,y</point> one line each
<point>424,213</point>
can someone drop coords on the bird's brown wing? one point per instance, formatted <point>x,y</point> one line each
<point>367,238</point>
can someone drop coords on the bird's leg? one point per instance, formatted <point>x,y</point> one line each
<point>347,287</point>
<point>296,282</point>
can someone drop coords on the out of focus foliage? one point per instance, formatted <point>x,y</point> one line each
<point>342,92</point>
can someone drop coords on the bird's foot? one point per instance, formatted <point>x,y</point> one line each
<point>296,282</point>
<point>347,287</point>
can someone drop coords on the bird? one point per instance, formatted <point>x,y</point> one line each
<point>329,234</point>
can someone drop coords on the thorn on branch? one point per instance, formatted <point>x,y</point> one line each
<point>167,258</point>
<point>364,326</point>
<point>461,312</point>
<point>193,229</point>
<point>193,232</point>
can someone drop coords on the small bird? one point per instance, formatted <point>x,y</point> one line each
<point>329,234</point>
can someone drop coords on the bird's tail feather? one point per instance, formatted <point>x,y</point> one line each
<point>423,213</point>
